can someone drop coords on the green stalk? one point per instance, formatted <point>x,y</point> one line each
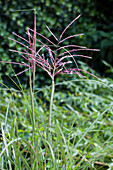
<point>32,115</point>
<point>32,84</point>
<point>34,44</point>
<point>51,101</point>
<point>32,103</point>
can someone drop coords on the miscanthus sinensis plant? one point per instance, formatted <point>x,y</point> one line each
<point>52,57</point>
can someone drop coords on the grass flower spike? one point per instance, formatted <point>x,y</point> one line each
<point>51,57</point>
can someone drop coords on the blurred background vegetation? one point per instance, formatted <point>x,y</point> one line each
<point>96,23</point>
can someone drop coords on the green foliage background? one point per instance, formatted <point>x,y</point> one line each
<point>96,23</point>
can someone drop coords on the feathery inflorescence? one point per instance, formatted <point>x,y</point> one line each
<point>55,62</point>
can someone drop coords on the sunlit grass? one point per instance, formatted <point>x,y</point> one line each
<point>81,128</point>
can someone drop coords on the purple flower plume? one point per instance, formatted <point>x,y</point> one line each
<point>51,58</point>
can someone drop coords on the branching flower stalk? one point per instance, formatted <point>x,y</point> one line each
<point>32,84</point>
<point>50,57</point>
<point>33,46</point>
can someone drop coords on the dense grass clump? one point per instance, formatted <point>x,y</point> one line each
<point>81,130</point>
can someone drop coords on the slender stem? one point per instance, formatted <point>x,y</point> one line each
<point>32,114</point>
<point>34,44</point>
<point>32,87</point>
<point>51,102</point>
<point>32,103</point>
<point>34,48</point>
<point>52,95</point>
